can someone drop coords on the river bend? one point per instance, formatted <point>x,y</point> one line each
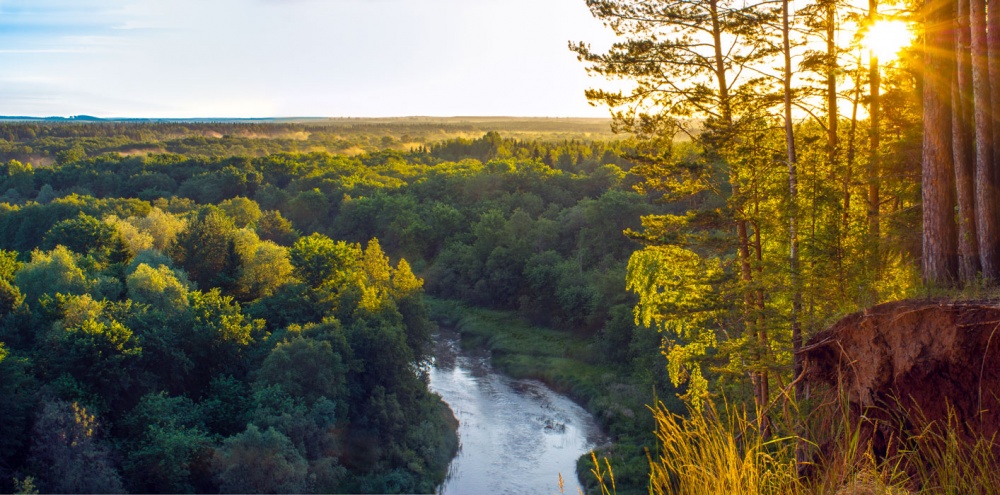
<point>515,436</point>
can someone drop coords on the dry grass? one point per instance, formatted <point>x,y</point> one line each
<point>722,452</point>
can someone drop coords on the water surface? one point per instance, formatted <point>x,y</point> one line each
<point>515,436</point>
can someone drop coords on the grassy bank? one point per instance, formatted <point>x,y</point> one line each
<point>559,359</point>
<point>571,364</point>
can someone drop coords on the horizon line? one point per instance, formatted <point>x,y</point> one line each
<point>85,117</point>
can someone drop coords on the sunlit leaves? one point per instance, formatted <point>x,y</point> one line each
<point>674,287</point>
<point>159,288</point>
<point>319,260</point>
<point>163,227</point>
<point>677,295</point>
<point>52,272</point>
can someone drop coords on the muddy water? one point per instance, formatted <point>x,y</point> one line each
<point>515,436</point>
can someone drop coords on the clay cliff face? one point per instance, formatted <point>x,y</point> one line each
<point>902,365</point>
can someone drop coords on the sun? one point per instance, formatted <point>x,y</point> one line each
<point>886,38</point>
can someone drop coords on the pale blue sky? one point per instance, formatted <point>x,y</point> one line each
<point>264,58</point>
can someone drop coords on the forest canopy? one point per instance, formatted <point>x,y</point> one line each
<point>214,320</point>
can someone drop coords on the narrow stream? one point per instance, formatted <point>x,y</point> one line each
<point>515,436</point>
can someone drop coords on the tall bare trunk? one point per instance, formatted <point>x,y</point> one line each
<point>793,189</point>
<point>986,176</point>
<point>760,378</point>
<point>874,138</point>
<point>940,237</point>
<point>963,148</point>
<point>848,173</point>
<point>793,218</point>
<point>831,84</point>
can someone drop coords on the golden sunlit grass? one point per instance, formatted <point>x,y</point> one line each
<point>710,452</point>
<point>886,38</point>
<point>713,452</point>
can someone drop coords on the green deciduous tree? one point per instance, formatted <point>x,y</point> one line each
<point>88,235</point>
<point>17,403</point>
<point>158,287</point>
<point>69,452</point>
<point>260,462</point>
<point>306,368</point>
<point>264,266</point>
<point>50,273</point>
<point>318,260</point>
<point>205,248</point>
<point>678,295</point>
<point>244,212</point>
<point>168,448</point>
<point>163,227</point>
<point>273,227</point>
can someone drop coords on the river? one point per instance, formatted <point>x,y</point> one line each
<point>515,436</point>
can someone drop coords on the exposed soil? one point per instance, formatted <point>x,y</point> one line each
<point>905,364</point>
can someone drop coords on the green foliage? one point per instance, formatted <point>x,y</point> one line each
<point>307,209</point>
<point>303,353</point>
<point>135,239</point>
<point>219,335</point>
<point>306,368</point>
<point>677,296</point>
<point>69,453</point>
<point>227,405</point>
<point>102,354</point>
<point>10,298</point>
<point>25,486</point>
<point>273,227</point>
<point>88,235</point>
<point>244,212</point>
<point>205,248</point>
<point>259,462</point>
<point>264,266</point>
<point>19,178</point>
<point>167,459</point>
<point>9,265</point>
<point>169,448</point>
<point>319,261</point>
<point>18,399</point>
<point>159,288</point>
<point>50,273</point>
<point>163,227</point>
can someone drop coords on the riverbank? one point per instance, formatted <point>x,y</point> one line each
<point>614,393</point>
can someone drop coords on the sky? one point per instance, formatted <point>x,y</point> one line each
<point>285,58</point>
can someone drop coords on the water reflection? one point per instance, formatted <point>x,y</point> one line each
<point>515,436</point>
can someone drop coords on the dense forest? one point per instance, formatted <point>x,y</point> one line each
<point>816,175</point>
<point>238,319</point>
<point>166,288</point>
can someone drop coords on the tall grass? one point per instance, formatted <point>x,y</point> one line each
<point>709,452</point>
<point>952,463</point>
<point>723,452</point>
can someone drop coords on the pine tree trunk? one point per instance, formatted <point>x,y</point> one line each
<point>848,176</point>
<point>963,148</point>
<point>760,378</point>
<point>793,190</point>
<point>793,218</point>
<point>986,176</point>
<point>940,236</point>
<point>831,84</point>
<point>874,138</point>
